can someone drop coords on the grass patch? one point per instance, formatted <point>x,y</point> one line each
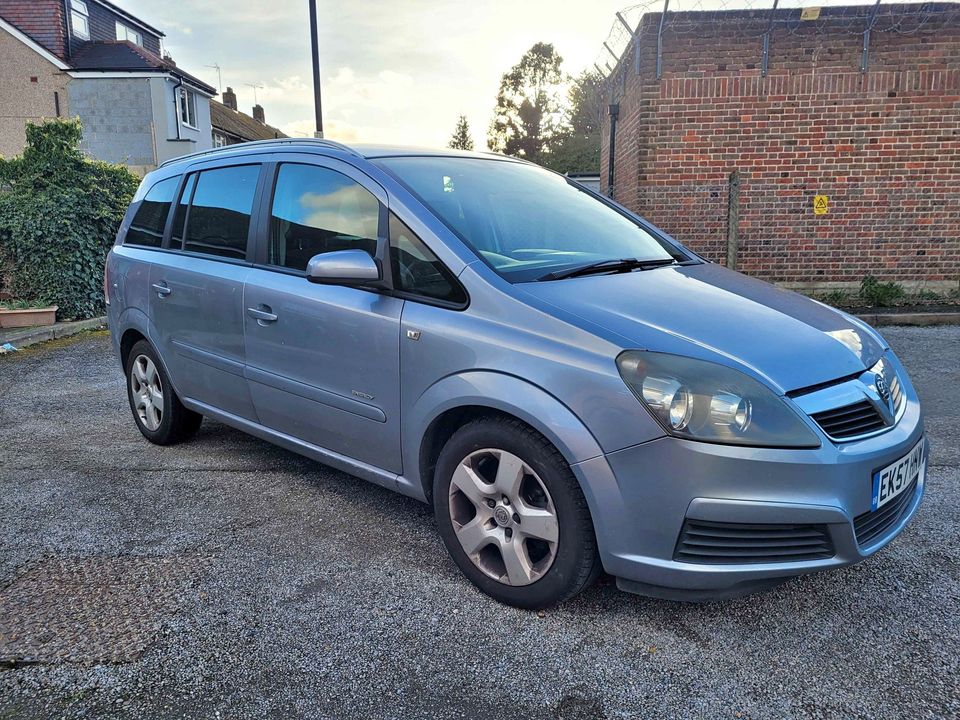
<point>874,293</point>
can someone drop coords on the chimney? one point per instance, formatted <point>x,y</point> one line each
<point>230,98</point>
<point>258,114</point>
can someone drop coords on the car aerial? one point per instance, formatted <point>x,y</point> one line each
<point>571,388</point>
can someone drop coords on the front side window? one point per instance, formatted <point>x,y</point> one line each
<point>522,220</point>
<point>218,221</point>
<point>188,107</point>
<point>151,218</point>
<point>418,271</point>
<point>80,19</point>
<point>318,210</point>
<point>128,33</point>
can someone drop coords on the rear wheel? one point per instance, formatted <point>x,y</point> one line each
<point>512,515</point>
<point>158,412</point>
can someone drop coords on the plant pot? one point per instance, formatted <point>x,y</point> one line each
<point>28,317</point>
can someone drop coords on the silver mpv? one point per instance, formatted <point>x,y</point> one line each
<point>571,388</point>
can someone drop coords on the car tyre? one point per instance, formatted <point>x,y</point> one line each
<point>157,411</point>
<point>513,516</point>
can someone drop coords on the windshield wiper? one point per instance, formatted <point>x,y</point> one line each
<point>605,266</point>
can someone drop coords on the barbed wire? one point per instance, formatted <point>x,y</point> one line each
<point>752,19</point>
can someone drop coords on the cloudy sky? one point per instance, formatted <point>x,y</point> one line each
<point>395,72</point>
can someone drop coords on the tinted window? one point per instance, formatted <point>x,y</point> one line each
<point>523,220</point>
<point>417,270</point>
<point>318,210</point>
<point>219,219</point>
<point>151,219</point>
<point>180,216</point>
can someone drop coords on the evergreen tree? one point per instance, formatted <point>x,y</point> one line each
<point>528,114</point>
<point>461,140</point>
<point>577,149</point>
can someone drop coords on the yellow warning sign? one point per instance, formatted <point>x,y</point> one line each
<point>821,204</point>
<point>810,13</point>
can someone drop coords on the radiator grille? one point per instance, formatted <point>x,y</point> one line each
<point>872,525</point>
<point>850,420</point>
<point>719,543</point>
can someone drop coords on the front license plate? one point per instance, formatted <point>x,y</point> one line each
<point>897,477</point>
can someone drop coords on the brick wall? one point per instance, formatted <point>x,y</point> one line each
<point>883,145</point>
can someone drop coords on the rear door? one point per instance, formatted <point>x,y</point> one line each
<point>323,361</point>
<point>196,286</point>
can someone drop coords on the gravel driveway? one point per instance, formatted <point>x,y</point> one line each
<point>226,578</point>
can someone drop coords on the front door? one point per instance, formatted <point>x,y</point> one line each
<point>323,361</point>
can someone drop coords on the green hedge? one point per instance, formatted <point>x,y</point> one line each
<point>59,215</point>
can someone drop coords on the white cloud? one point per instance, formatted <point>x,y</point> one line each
<point>400,72</point>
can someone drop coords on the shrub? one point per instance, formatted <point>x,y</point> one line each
<point>837,298</point>
<point>880,294</point>
<point>59,215</point>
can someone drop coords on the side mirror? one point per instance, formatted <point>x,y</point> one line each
<point>343,267</point>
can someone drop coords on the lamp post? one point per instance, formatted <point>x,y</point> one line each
<point>316,68</point>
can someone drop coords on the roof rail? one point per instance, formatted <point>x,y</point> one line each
<point>321,142</point>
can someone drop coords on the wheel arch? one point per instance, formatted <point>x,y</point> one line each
<point>134,325</point>
<point>458,399</point>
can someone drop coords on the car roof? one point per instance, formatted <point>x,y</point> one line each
<point>366,151</point>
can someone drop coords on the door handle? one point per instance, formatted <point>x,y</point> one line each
<point>162,289</point>
<point>262,314</point>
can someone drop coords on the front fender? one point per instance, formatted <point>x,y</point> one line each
<point>497,391</point>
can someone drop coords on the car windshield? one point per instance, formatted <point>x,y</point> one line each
<point>522,220</point>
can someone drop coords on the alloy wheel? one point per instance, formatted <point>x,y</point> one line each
<point>504,517</point>
<point>147,392</point>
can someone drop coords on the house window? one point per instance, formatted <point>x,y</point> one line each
<point>126,33</point>
<point>219,140</point>
<point>80,19</point>
<point>188,108</point>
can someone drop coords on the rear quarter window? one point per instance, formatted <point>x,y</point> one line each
<point>148,224</point>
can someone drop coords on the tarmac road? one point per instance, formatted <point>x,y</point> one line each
<point>227,578</point>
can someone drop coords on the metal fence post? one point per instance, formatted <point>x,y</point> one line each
<point>733,219</point>
<point>765,58</point>
<point>663,18</point>
<point>865,58</point>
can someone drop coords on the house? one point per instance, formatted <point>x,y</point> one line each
<point>230,126</point>
<point>93,60</point>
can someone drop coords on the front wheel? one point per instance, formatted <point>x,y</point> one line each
<point>512,515</point>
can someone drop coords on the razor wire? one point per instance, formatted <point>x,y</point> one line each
<point>816,20</point>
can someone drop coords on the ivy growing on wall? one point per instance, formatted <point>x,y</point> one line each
<point>59,215</point>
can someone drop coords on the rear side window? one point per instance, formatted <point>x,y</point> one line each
<point>318,210</point>
<point>151,218</point>
<point>218,221</point>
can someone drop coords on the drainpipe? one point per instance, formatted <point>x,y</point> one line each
<point>176,105</point>
<point>614,114</point>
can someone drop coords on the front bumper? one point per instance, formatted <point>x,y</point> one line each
<point>641,497</point>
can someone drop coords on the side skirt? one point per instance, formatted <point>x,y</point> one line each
<point>364,471</point>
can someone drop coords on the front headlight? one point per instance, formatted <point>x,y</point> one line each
<point>701,400</point>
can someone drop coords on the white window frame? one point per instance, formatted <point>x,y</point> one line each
<point>187,108</point>
<point>124,32</point>
<point>219,140</point>
<point>80,19</point>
